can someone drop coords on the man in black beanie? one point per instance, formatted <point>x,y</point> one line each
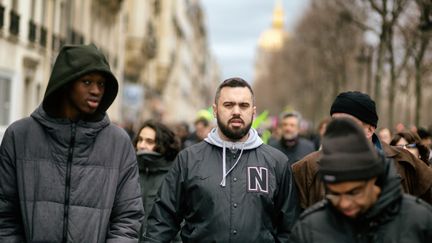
<point>416,175</point>
<point>364,201</point>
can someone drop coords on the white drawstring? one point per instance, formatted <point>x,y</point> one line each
<point>223,165</point>
<point>225,174</point>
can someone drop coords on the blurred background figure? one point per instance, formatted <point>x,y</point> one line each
<point>425,137</point>
<point>291,144</point>
<point>411,142</point>
<point>385,135</point>
<point>275,130</point>
<point>182,132</point>
<point>321,130</point>
<point>156,146</point>
<point>202,128</point>
<point>128,126</point>
<point>399,127</point>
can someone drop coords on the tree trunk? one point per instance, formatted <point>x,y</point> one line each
<point>393,77</point>
<point>380,64</point>
<point>418,76</point>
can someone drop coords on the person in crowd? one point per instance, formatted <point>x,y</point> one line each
<point>182,132</point>
<point>202,128</point>
<point>128,126</point>
<point>416,175</point>
<point>291,144</point>
<point>67,174</point>
<point>363,198</point>
<point>156,146</point>
<point>275,130</point>
<point>385,135</point>
<point>399,127</point>
<point>230,187</point>
<point>411,142</point>
<point>426,139</point>
<point>320,132</point>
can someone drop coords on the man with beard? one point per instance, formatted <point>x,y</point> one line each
<point>291,144</point>
<point>230,187</point>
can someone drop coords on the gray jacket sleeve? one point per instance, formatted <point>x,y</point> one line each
<point>164,220</point>
<point>10,214</point>
<point>127,212</point>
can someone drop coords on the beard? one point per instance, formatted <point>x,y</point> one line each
<point>290,136</point>
<point>233,134</point>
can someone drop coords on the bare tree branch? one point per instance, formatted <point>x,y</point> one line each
<point>374,5</point>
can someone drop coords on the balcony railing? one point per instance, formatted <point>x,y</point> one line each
<point>14,23</point>
<point>32,31</point>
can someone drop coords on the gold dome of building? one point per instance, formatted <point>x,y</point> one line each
<point>273,38</point>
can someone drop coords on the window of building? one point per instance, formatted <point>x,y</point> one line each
<point>14,19</point>
<point>5,86</point>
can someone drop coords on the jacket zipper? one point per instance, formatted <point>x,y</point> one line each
<point>67,184</point>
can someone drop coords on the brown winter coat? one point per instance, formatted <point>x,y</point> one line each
<point>416,176</point>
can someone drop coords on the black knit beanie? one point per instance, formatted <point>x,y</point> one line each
<point>347,155</point>
<point>356,104</point>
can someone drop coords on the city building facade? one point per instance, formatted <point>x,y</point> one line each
<point>31,35</point>
<point>168,58</point>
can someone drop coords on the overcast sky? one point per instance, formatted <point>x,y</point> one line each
<point>234,27</point>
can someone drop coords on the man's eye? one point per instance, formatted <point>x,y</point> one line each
<point>354,192</point>
<point>86,82</point>
<point>101,84</point>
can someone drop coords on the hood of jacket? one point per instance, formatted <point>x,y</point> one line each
<point>253,141</point>
<point>149,161</point>
<point>59,128</point>
<point>391,192</point>
<point>73,62</point>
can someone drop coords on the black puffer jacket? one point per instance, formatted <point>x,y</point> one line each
<point>394,218</point>
<point>64,181</point>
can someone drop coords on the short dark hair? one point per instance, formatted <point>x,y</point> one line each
<point>167,143</point>
<point>233,83</point>
<point>423,133</point>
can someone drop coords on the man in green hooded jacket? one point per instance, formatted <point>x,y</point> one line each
<point>67,174</point>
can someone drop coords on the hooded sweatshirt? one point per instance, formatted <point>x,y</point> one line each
<point>252,142</point>
<point>69,181</point>
<point>225,192</point>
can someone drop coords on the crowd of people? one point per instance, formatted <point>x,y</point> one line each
<point>68,174</point>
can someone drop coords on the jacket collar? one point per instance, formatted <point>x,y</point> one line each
<point>395,153</point>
